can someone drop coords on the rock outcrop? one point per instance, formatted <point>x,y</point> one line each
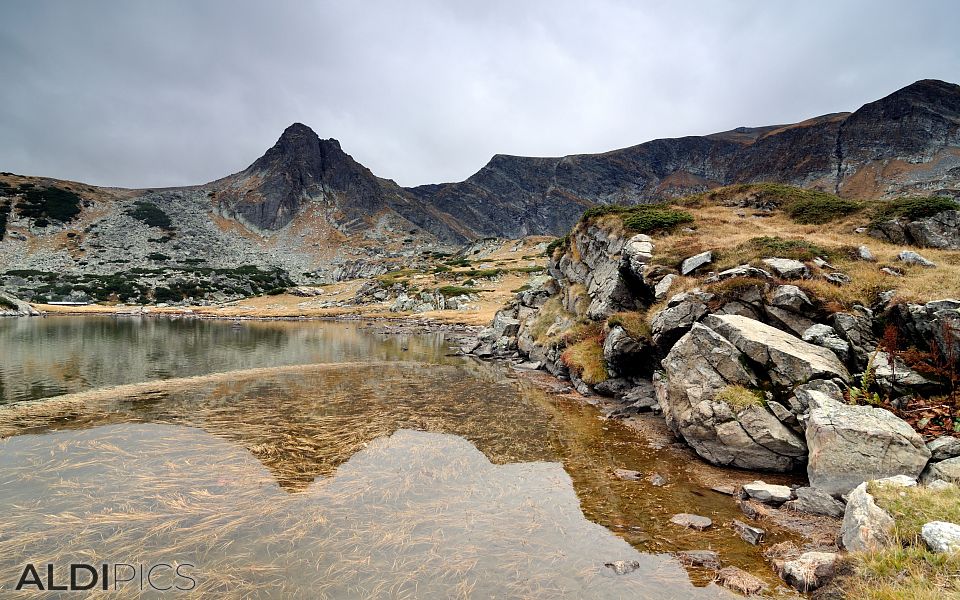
<point>14,307</point>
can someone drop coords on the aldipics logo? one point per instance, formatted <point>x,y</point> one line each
<point>78,577</point>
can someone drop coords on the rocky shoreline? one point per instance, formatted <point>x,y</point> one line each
<point>750,371</point>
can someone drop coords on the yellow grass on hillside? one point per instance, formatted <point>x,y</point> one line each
<point>728,232</point>
<point>494,278</point>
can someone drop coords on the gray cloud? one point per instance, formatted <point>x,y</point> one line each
<point>146,93</point>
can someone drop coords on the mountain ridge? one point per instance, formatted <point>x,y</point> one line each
<point>310,208</point>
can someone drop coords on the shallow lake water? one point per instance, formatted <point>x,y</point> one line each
<point>322,460</point>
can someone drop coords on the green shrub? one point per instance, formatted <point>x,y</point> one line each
<point>482,273</point>
<point>768,246</point>
<point>150,214</point>
<point>914,208</point>
<point>48,204</point>
<point>448,291</point>
<point>817,208</point>
<point>6,304</point>
<point>801,205</point>
<point>561,243</point>
<point>648,219</point>
<point>641,218</point>
<point>158,256</point>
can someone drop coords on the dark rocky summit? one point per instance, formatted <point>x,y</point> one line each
<point>302,169</point>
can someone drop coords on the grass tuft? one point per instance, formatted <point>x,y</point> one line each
<point>912,507</point>
<point>584,357</point>
<point>739,397</point>
<point>635,323</point>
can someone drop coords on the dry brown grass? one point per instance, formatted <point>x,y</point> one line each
<point>729,235</point>
<point>633,322</point>
<point>492,294</point>
<point>585,360</point>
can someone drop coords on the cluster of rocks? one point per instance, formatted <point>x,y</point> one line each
<point>13,307</point>
<point>748,369</point>
<point>429,300</point>
<point>941,230</point>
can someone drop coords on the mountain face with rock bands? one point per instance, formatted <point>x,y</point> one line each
<point>308,208</point>
<point>906,143</point>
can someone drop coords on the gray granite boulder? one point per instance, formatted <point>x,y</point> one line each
<point>698,367</point>
<point>941,536</point>
<point>852,444</point>
<point>866,526</point>
<point>815,502</point>
<point>786,359</point>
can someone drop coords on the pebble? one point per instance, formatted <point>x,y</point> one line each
<point>692,521</point>
<point>749,534</point>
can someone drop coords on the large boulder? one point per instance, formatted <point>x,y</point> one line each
<point>816,502</point>
<point>934,325</point>
<point>787,359</point>
<point>939,231</point>
<point>698,367</point>
<point>826,337</point>
<point>852,444</point>
<point>866,526</point>
<point>856,328</point>
<point>944,447</point>
<point>895,377</point>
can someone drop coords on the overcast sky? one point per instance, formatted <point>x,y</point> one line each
<point>161,93</point>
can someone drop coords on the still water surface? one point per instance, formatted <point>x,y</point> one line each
<point>321,460</point>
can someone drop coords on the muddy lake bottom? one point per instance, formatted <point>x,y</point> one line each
<point>328,460</point>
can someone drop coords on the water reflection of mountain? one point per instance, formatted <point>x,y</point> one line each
<point>412,514</point>
<point>60,355</point>
<point>302,423</point>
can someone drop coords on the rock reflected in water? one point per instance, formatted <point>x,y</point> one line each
<point>413,514</point>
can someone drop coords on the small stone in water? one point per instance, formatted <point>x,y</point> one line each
<point>739,580</point>
<point>693,521</point>
<point>657,480</point>
<point>728,490</point>
<point>622,567</point>
<point>708,559</point>
<point>751,535</point>
<point>627,474</point>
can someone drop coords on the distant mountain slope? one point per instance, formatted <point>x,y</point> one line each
<point>906,143</point>
<point>308,208</point>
